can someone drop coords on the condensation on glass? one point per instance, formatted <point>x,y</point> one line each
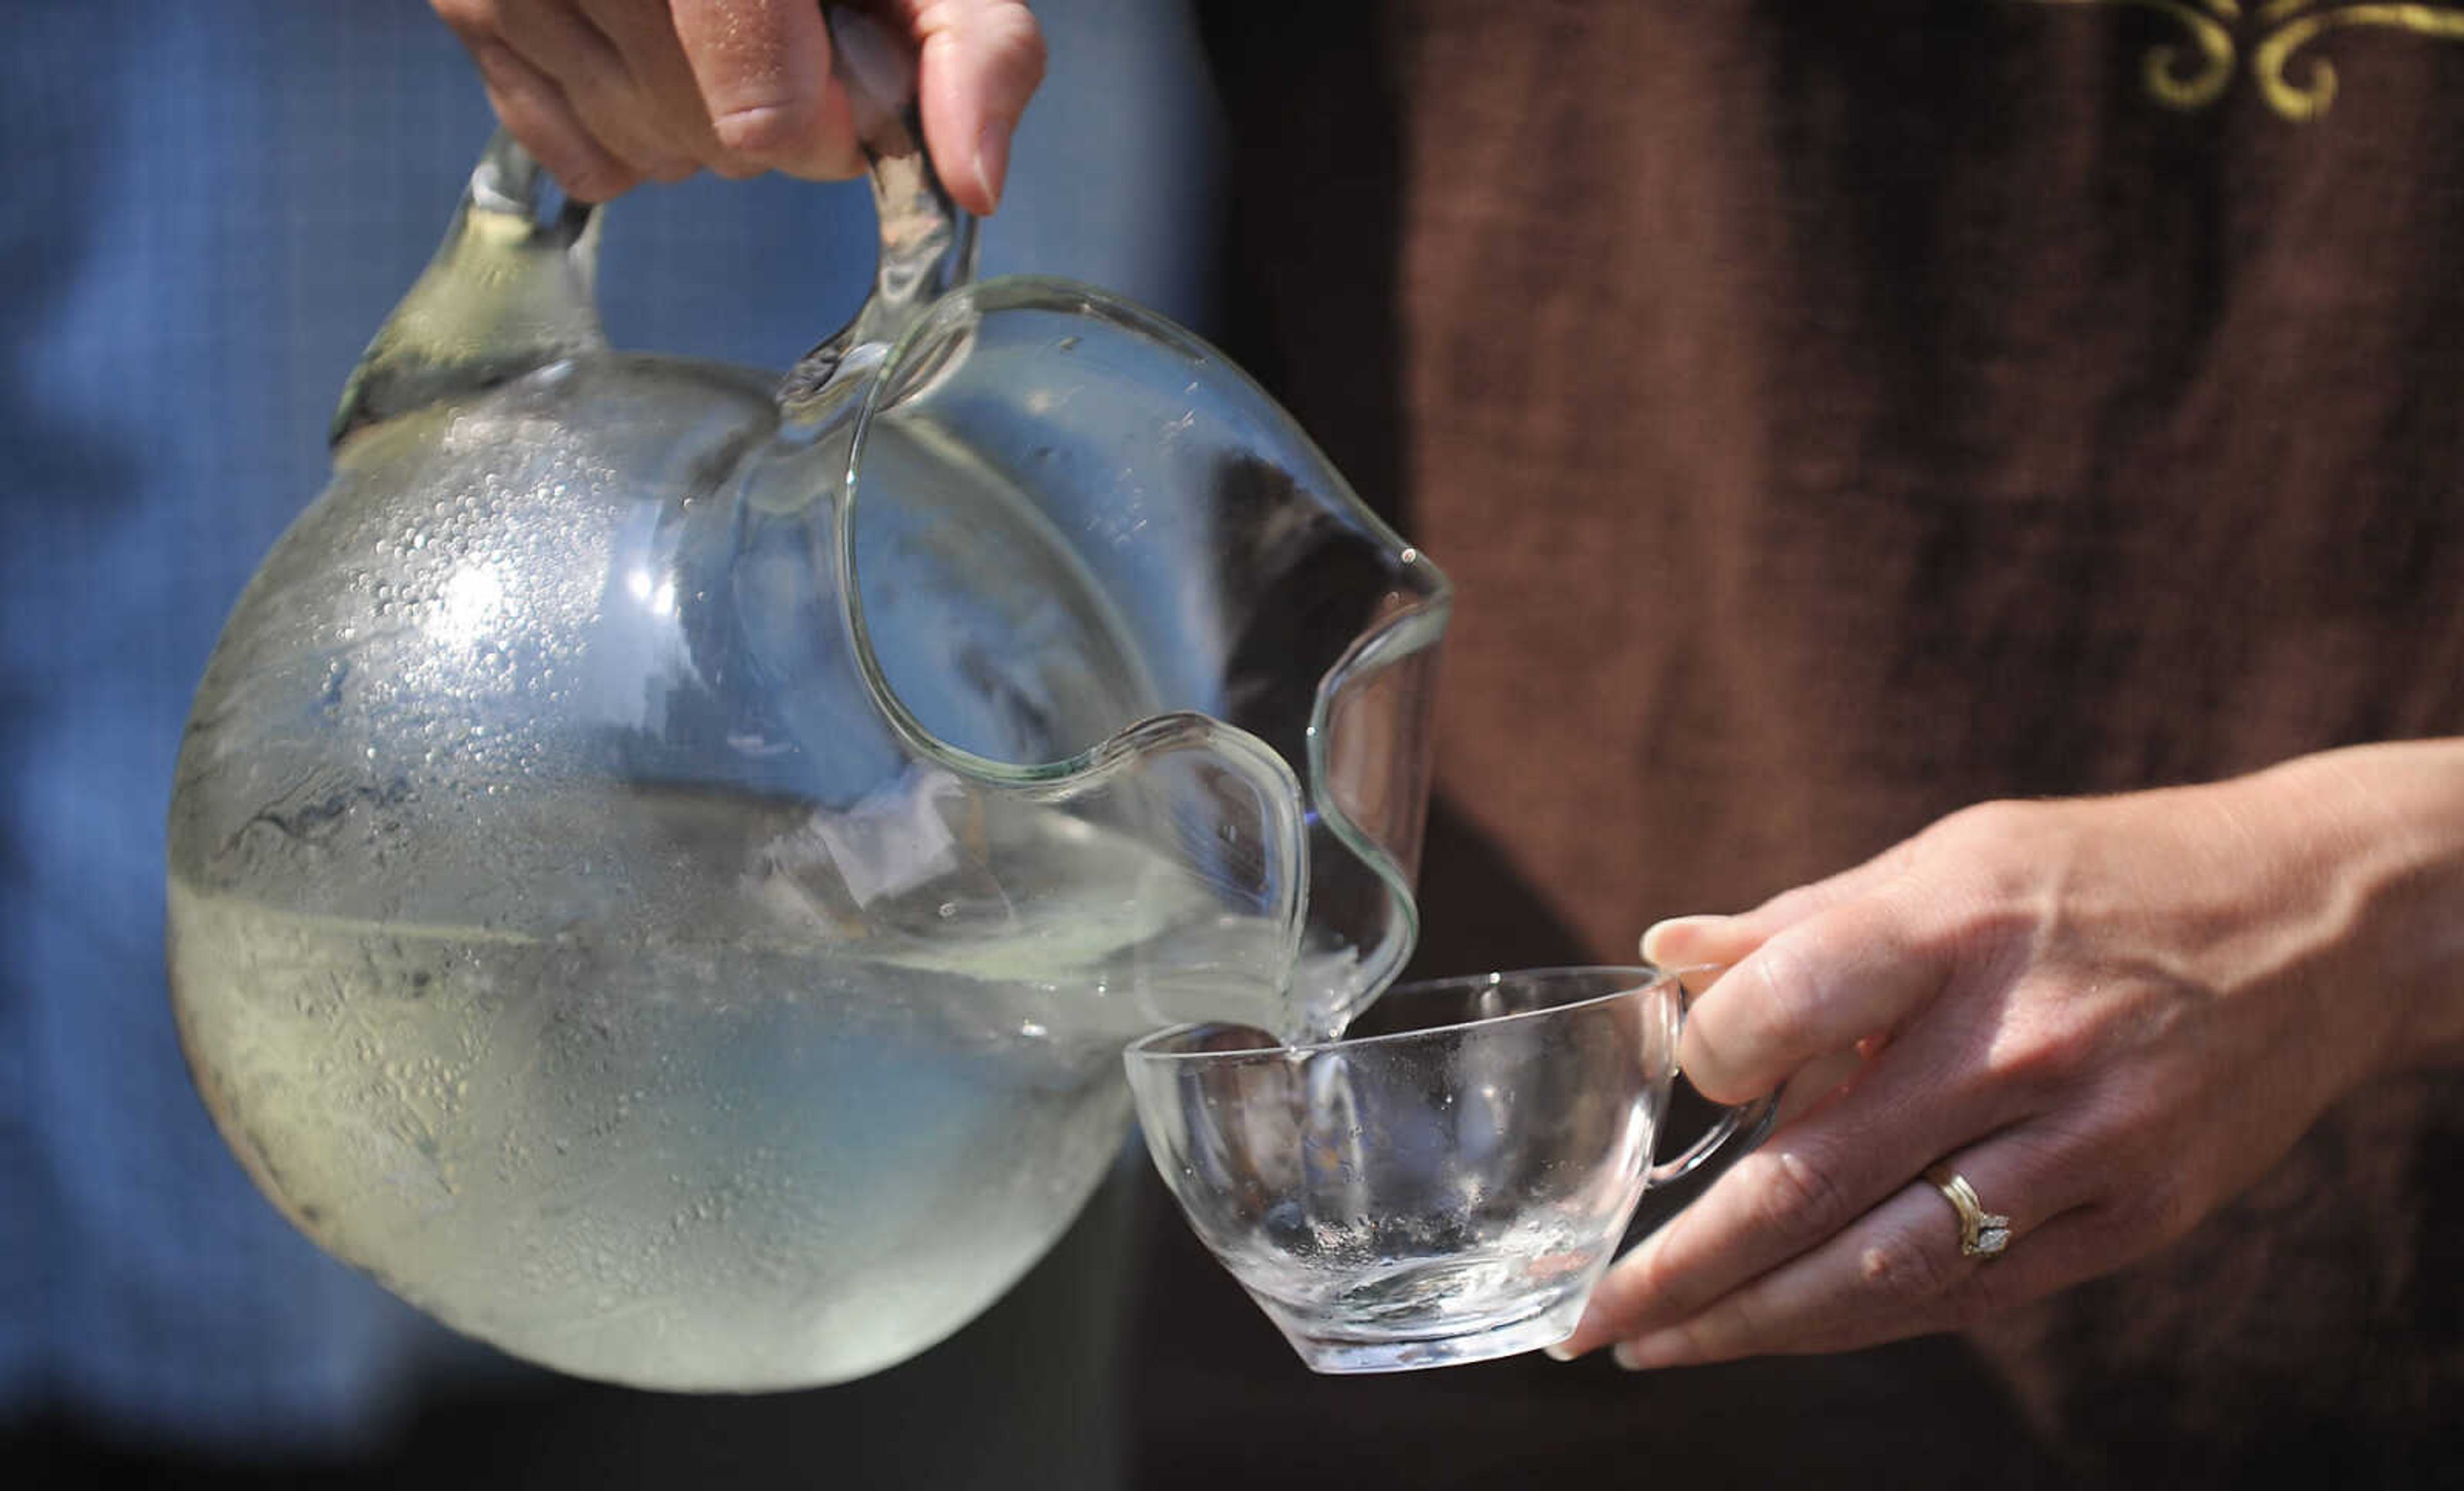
<point>664,860</point>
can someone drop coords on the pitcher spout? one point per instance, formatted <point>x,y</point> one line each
<point>1188,617</point>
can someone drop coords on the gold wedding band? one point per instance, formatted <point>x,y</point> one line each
<point>1982,1235</point>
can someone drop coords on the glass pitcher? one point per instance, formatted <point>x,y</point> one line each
<point>663,861</point>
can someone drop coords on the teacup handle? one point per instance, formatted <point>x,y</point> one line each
<point>1745,1123</point>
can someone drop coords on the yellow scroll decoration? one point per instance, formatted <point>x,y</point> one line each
<point>2194,72</point>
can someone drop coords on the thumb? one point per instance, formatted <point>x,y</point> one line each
<point>1688,941</point>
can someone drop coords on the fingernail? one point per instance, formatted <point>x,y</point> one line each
<point>1660,1349</point>
<point>1558,1351</point>
<point>1656,941</point>
<point>992,161</point>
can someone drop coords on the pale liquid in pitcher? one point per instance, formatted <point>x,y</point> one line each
<point>707,1153</point>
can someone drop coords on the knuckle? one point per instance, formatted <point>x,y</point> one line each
<point>1999,820</point>
<point>468,19</point>
<point>2166,1211</point>
<point>1802,1196</point>
<point>1697,1343</point>
<point>497,64</point>
<point>2149,1203</point>
<point>1899,1266</point>
<point>2121,1128</point>
<point>2035,1060</point>
<point>1997,850</point>
<point>1777,1009</point>
<point>617,120</point>
<point>1005,37</point>
<point>1014,34</point>
<point>1786,990</point>
<point>765,131</point>
<point>1773,1003</point>
<point>590,180</point>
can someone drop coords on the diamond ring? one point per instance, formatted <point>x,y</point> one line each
<point>1982,1235</point>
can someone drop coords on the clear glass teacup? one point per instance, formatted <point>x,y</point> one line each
<point>1447,1182</point>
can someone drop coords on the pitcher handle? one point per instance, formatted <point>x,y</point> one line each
<point>1747,1124</point>
<point>512,287</point>
<point>928,241</point>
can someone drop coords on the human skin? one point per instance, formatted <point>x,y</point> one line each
<point>607,94</point>
<point>2110,1015</point>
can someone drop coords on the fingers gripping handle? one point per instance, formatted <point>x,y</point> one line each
<point>928,241</point>
<point>1742,1126</point>
<point>512,287</point>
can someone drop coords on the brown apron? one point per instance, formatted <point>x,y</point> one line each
<point>1834,414</point>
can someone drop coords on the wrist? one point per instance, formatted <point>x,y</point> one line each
<point>2385,824</point>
